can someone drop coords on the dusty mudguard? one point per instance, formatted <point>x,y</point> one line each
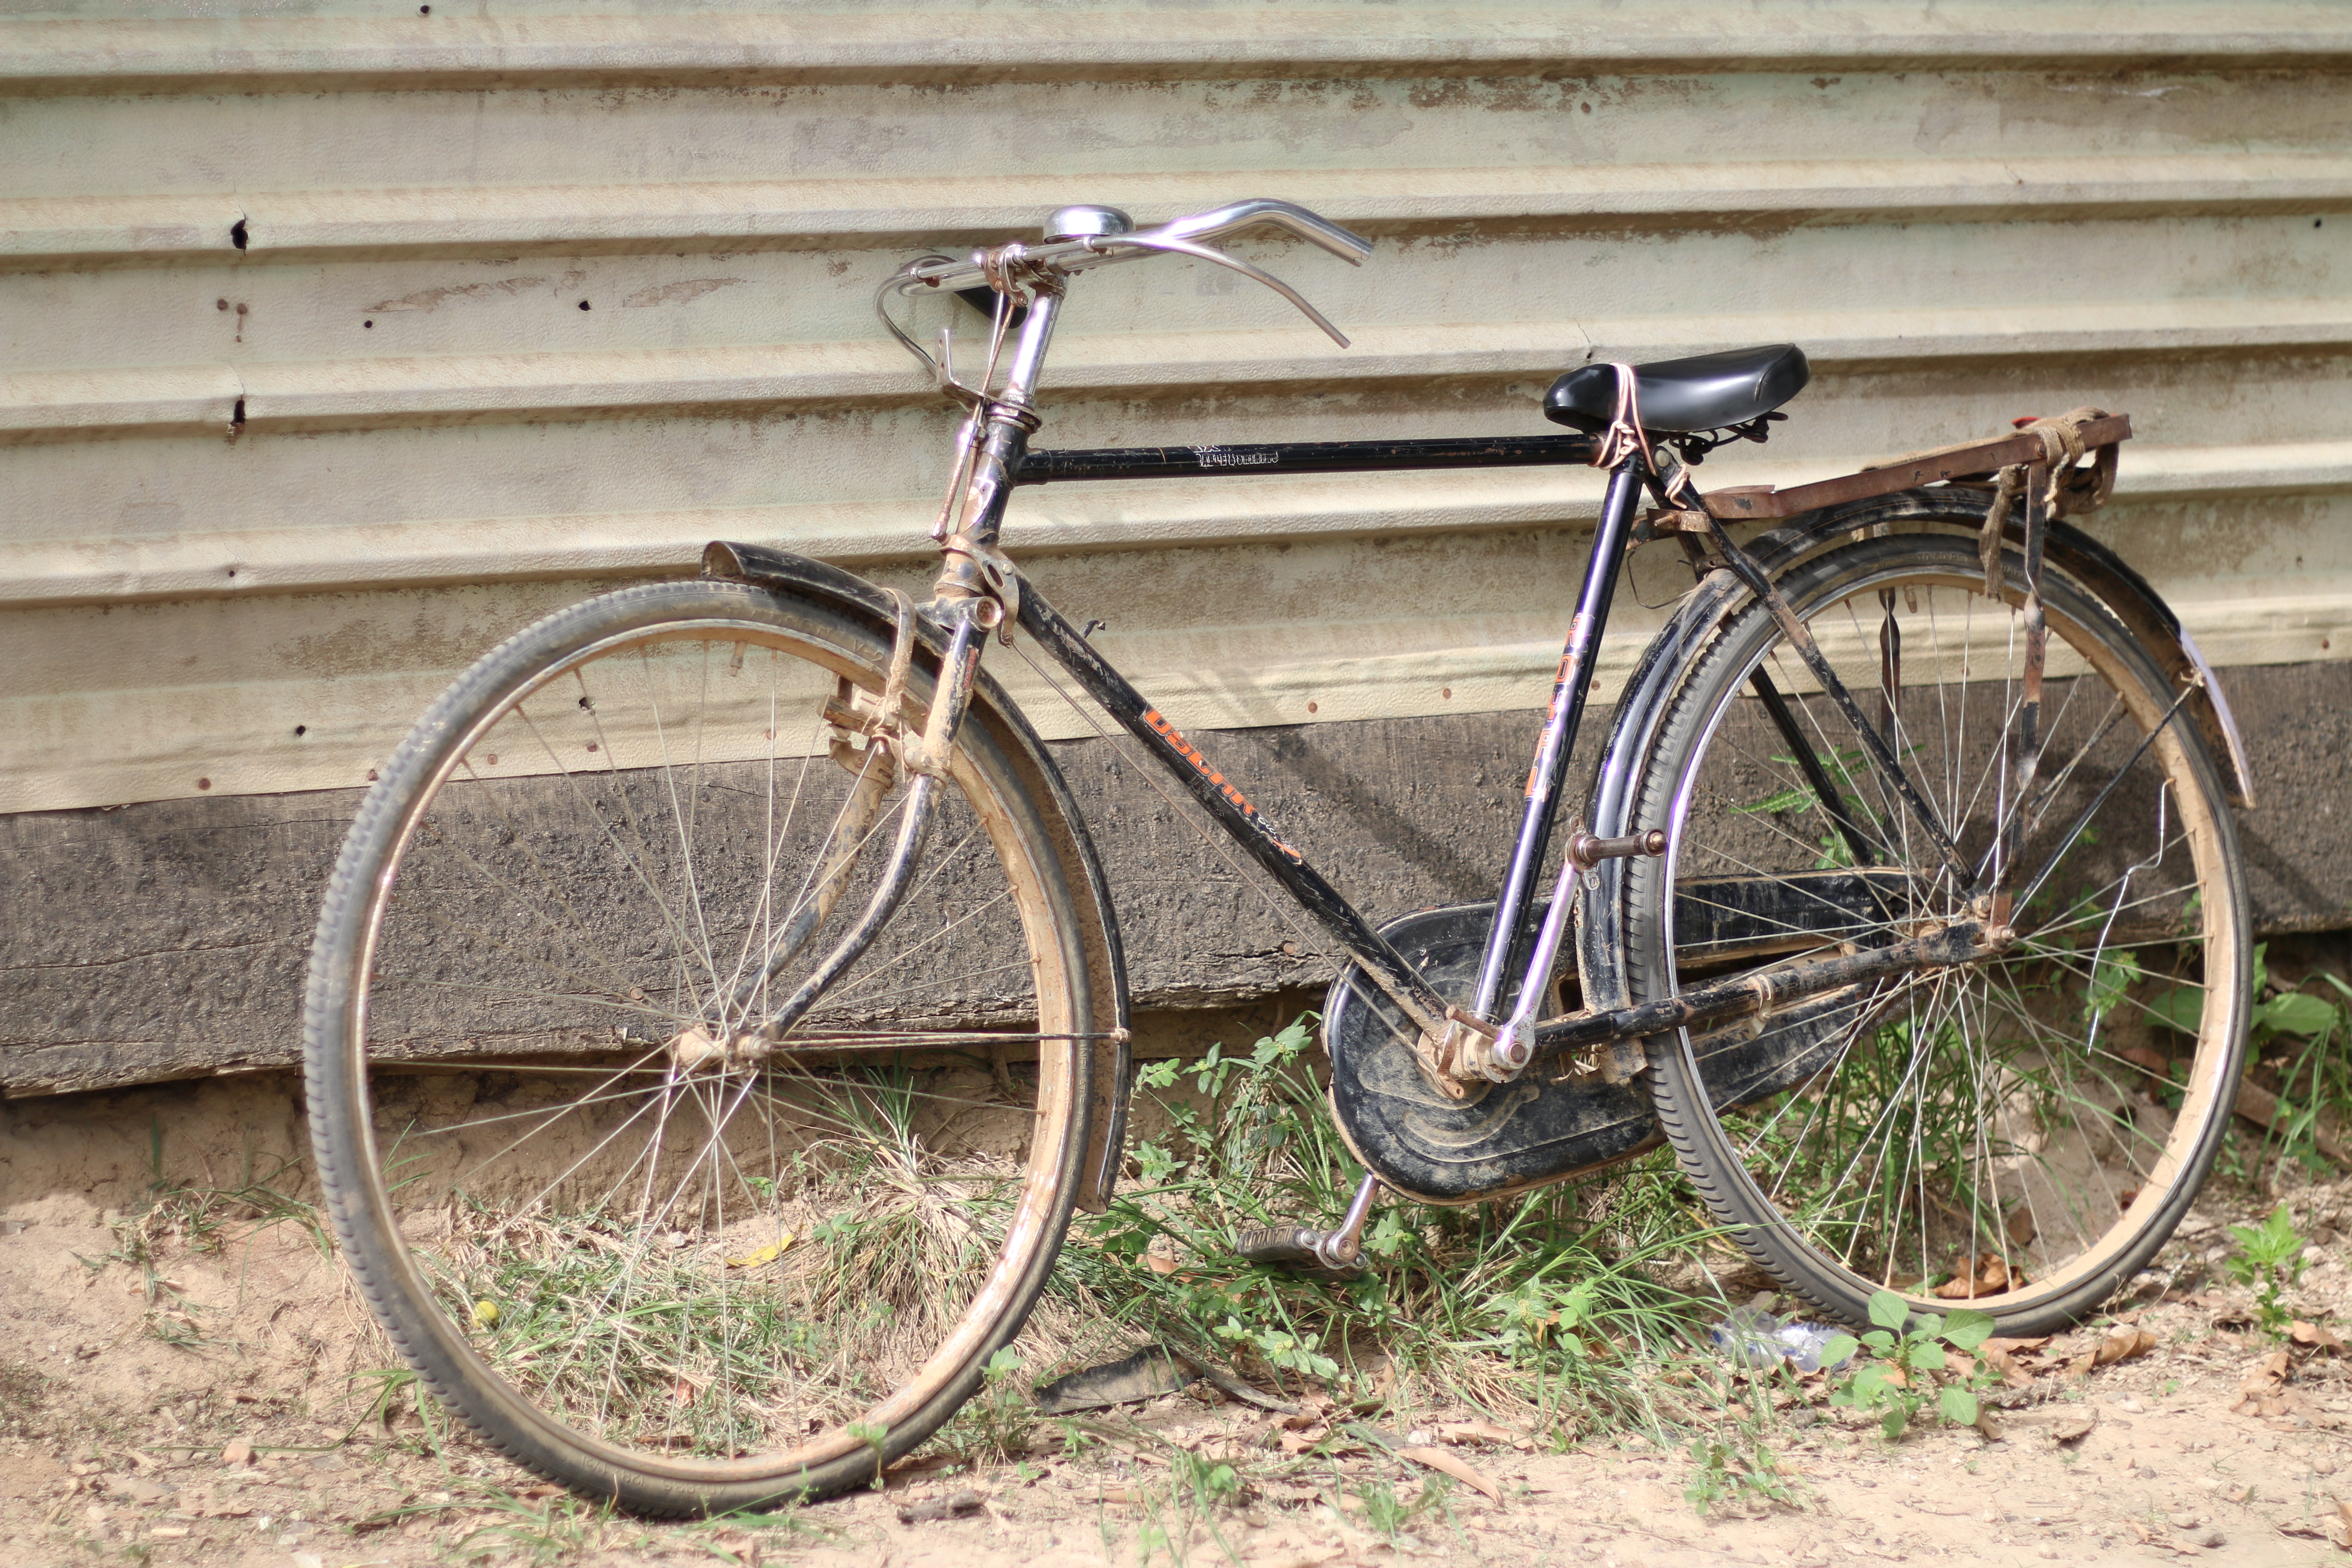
<point>2097,570</point>
<point>1106,1147</point>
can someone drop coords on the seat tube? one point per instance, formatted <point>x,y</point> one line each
<point>1506,938</point>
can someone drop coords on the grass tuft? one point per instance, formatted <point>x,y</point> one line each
<point>1552,1311</point>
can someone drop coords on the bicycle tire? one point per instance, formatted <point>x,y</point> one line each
<point>1993,1137</point>
<point>492,926</point>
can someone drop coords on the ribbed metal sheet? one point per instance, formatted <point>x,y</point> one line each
<point>300,408</point>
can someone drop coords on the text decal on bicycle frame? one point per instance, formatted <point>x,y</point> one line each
<point>1186,750</point>
<point>1580,632</point>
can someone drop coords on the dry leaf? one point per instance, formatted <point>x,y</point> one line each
<point>1986,1274</point>
<point>767,1254</point>
<point>1474,1432</point>
<point>237,1453</point>
<point>2269,1374</point>
<point>2073,1428</point>
<point>1439,1459</point>
<point>2144,1532</point>
<point>2318,1336</point>
<point>1158,1264</point>
<point>1987,1427</point>
<point>744,1549</point>
<point>1299,1441</point>
<point>2123,1341</point>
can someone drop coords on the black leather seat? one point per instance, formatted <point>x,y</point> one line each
<point>1705,391</point>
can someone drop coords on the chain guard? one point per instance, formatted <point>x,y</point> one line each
<point>1563,1117</point>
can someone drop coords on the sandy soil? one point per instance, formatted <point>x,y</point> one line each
<point>210,1406</point>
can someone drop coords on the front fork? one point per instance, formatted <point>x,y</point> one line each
<point>975,591</point>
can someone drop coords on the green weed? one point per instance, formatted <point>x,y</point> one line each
<point>1737,1468</point>
<point>1531,1306</point>
<point>191,1217</point>
<point>996,1422</point>
<point>1908,1366</point>
<point>2270,1258</point>
<point>1388,1514</point>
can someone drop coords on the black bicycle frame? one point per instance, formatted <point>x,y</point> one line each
<point>1228,803</point>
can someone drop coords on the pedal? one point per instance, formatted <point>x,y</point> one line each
<point>1299,1249</point>
<point>1334,1255</point>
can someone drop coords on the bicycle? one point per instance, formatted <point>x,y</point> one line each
<point>1906,865</point>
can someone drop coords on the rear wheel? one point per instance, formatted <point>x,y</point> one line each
<point>684,1277</point>
<point>2017,1136</point>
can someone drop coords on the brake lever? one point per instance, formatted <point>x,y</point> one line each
<point>1209,253</point>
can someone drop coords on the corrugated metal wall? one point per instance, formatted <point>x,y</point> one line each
<point>340,339</point>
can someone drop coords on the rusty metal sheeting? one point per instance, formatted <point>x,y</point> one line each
<point>332,347</point>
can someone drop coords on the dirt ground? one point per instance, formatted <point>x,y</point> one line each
<point>213,1407</point>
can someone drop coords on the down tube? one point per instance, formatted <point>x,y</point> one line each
<point>1232,810</point>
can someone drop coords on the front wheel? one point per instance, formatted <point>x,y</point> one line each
<point>2020,1135</point>
<point>687,1277</point>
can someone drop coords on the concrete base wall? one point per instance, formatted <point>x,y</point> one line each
<point>167,940</point>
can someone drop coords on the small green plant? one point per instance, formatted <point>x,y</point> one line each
<point>996,1421</point>
<point>1734,1467</point>
<point>871,1434</point>
<point>2270,1258</point>
<point>1907,1363</point>
<point>1389,1515</point>
<point>1075,1441</point>
<point>1207,1482</point>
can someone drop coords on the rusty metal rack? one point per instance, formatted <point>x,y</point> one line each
<point>1971,459</point>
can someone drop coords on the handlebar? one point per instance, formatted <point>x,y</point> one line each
<point>1187,235</point>
<point>1350,247</point>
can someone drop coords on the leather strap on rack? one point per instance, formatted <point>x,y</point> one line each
<point>2071,489</point>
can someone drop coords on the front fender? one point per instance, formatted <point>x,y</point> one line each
<point>1107,1135</point>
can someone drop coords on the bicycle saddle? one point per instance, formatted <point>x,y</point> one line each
<point>1702,393</point>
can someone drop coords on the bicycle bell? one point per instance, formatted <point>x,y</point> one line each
<point>1087,222</point>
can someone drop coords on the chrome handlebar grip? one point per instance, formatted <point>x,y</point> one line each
<point>1069,255</point>
<point>1350,247</point>
<point>1083,237</point>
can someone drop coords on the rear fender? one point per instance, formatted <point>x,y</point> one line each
<point>2096,569</point>
<point>797,574</point>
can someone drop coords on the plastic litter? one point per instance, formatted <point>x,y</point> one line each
<point>1751,1336</point>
